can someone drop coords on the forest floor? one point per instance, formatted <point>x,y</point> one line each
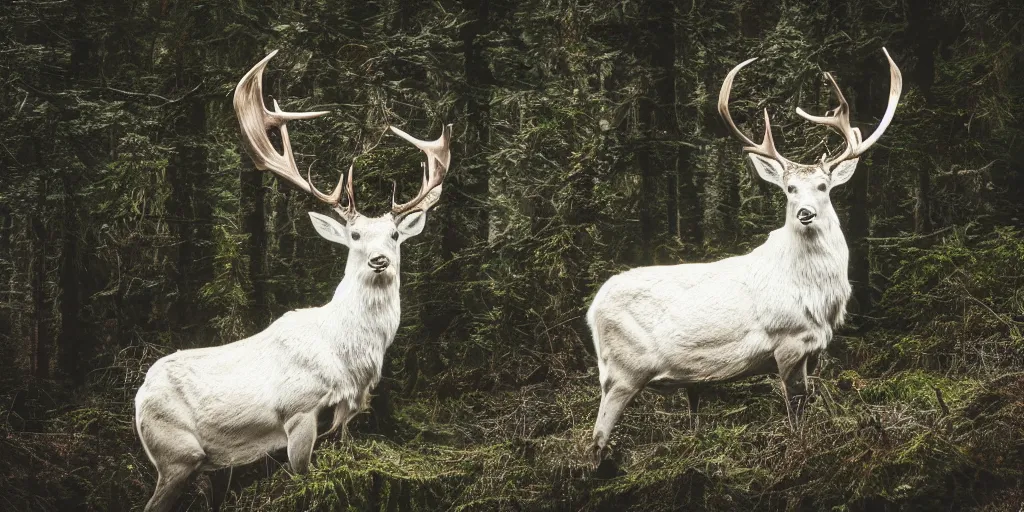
<point>912,440</point>
<point>864,443</point>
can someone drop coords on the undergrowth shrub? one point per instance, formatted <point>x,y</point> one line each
<point>956,303</point>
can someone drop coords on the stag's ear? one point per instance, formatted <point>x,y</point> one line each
<point>411,225</point>
<point>768,169</point>
<point>329,228</point>
<point>843,172</point>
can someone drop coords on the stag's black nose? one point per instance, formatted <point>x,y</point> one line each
<point>379,263</point>
<point>805,215</point>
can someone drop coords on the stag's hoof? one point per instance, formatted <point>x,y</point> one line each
<point>595,454</point>
<point>694,421</point>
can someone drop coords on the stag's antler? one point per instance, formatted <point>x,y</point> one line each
<point>438,158</point>
<point>767,146</point>
<point>839,118</point>
<point>255,120</point>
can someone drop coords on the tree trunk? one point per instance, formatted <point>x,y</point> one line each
<point>925,34</point>
<point>190,205</point>
<point>192,212</point>
<point>648,194</point>
<point>73,345</point>
<point>922,206</point>
<point>859,230</point>
<point>283,267</point>
<point>691,229</point>
<point>252,198</point>
<point>71,341</point>
<point>663,59</point>
<point>43,336</point>
<point>655,43</point>
<point>715,186</point>
<point>8,261</point>
<point>687,189</point>
<point>672,209</point>
<point>479,80</point>
<point>859,225</point>
<point>725,215</point>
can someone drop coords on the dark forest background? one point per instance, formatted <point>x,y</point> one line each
<point>586,142</point>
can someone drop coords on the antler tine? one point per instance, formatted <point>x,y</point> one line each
<point>438,155</point>
<point>348,212</point>
<point>254,120</point>
<point>723,103</point>
<point>767,146</point>
<point>895,90</point>
<point>839,118</point>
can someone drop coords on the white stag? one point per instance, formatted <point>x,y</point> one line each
<point>771,310</point>
<point>217,407</point>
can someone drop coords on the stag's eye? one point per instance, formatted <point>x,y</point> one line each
<point>355,236</point>
<point>821,187</point>
<point>394,235</point>
<point>791,189</point>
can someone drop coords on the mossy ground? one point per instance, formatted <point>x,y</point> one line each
<point>864,443</point>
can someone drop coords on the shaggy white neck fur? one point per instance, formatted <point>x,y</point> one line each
<point>817,261</point>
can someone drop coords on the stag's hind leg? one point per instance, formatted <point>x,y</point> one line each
<point>169,485</point>
<point>176,457</point>
<point>666,386</point>
<point>693,397</point>
<point>220,486</point>
<point>812,367</point>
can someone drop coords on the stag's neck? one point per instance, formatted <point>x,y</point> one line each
<point>818,256</point>
<point>366,288</point>
<point>816,261</point>
<point>367,309</point>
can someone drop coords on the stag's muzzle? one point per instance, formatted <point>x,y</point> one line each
<point>379,263</point>
<point>805,215</point>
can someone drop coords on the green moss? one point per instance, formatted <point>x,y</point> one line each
<point>917,389</point>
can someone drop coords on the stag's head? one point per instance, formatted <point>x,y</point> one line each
<point>807,187</point>
<point>373,242</point>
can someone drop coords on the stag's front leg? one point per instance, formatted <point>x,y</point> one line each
<point>615,396</point>
<point>792,363</point>
<point>301,432</point>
